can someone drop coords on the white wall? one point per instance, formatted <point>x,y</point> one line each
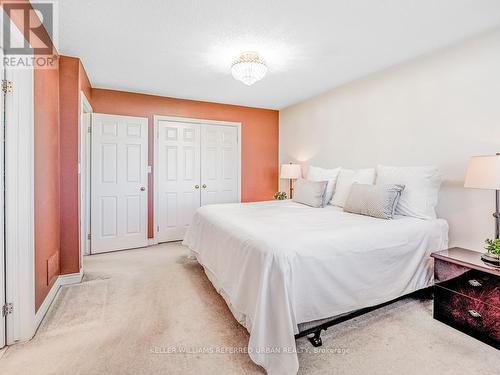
<point>435,110</point>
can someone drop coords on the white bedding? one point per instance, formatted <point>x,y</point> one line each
<point>280,263</point>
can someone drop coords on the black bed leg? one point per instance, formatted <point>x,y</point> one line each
<point>316,339</point>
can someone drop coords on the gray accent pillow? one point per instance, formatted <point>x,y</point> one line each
<point>374,200</point>
<point>310,193</point>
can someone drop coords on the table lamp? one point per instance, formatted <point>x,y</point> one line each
<point>484,173</point>
<point>291,172</point>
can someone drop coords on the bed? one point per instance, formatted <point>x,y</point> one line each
<point>280,265</point>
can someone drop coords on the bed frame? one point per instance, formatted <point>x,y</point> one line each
<point>315,331</point>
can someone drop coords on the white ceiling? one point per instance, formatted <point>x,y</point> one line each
<point>184,48</point>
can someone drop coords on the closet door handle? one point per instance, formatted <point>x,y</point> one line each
<point>143,188</point>
<point>196,186</point>
<point>204,186</point>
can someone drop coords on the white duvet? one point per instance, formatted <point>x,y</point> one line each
<point>279,263</point>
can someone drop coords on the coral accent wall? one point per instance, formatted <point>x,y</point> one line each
<point>69,94</point>
<point>259,169</point>
<point>57,111</point>
<point>46,139</point>
<point>73,79</point>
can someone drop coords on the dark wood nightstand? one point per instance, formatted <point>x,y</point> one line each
<point>467,294</point>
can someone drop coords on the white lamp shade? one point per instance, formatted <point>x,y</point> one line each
<point>291,171</point>
<point>483,172</point>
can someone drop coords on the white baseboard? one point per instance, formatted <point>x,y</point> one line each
<point>72,278</point>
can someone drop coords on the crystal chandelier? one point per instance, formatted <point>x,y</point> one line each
<point>249,68</point>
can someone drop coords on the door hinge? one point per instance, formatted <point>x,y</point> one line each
<point>7,86</point>
<point>89,236</point>
<point>7,309</point>
<point>89,129</point>
<point>158,228</point>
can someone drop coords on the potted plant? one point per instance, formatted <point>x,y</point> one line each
<point>280,195</point>
<point>493,247</point>
<point>492,256</point>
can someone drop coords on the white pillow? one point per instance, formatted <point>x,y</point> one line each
<point>321,174</point>
<point>346,178</point>
<point>310,193</point>
<point>420,196</point>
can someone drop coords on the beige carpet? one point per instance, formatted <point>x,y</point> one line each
<point>135,308</point>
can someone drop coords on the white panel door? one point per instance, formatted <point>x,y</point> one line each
<point>178,174</point>
<point>119,204</point>
<point>219,164</point>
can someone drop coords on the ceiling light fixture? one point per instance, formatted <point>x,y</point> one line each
<point>249,68</point>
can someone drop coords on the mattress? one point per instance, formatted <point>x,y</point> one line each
<point>279,264</point>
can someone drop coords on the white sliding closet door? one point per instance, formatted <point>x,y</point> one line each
<point>119,201</point>
<point>220,164</point>
<point>178,174</point>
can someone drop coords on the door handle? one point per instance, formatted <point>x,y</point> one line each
<point>196,186</point>
<point>204,186</point>
<point>143,188</point>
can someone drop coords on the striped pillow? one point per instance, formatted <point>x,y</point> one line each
<point>373,200</point>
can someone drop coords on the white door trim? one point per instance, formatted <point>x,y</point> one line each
<point>19,200</point>
<point>2,210</point>
<point>157,119</point>
<point>85,147</point>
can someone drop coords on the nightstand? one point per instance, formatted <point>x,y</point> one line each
<point>467,294</point>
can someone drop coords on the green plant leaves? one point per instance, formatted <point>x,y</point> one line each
<point>493,246</point>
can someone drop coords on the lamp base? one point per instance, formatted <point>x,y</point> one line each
<point>491,260</point>
<point>496,214</point>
